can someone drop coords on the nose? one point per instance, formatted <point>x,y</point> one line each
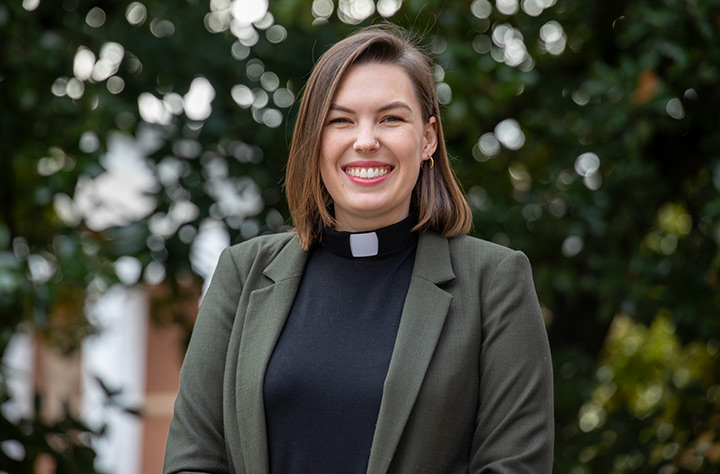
<point>365,141</point>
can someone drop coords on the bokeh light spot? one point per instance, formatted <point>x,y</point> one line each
<point>260,98</point>
<point>75,88</point>
<point>269,81</point>
<point>510,134</point>
<point>353,12</point>
<point>580,97</point>
<point>444,93</point>
<point>511,47</point>
<point>197,101</point>
<point>89,142</point>
<point>111,55</point>
<point>115,85</point>
<point>246,34</point>
<point>591,416</point>
<point>96,17</point>
<point>532,7</point>
<point>59,87</point>
<point>174,102</point>
<point>587,163</point>
<point>481,44</point>
<point>265,22</point>
<point>272,117</point>
<point>30,5</point>
<point>572,245</point>
<point>216,22</point>
<point>239,51</point>
<point>675,109</point>
<point>153,110</point>
<point>438,73</point>
<point>162,28</point>
<point>322,9</point>
<point>520,177</point>
<point>154,273</point>
<point>83,63</point>
<point>283,97</point>
<point>242,95</point>
<point>507,7</point>
<point>388,8</point>
<point>254,69</point>
<point>276,34</point>
<point>128,269</point>
<point>481,8</point>
<point>489,144</point>
<point>553,38</point>
<point>247,12</point>
<point>136,13</point>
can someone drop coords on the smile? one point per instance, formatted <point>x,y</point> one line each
<point>367,173</point>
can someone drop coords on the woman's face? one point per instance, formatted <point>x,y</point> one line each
<point>372,144</point>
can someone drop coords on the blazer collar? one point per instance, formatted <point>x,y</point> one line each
<point>268,306</point>
<point>422,320</point>
<point>421,323</point>
<point>288,263</point>
<point>432,259</point>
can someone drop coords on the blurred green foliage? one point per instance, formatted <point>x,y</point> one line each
<point>584,133</point>
<point>655,404</point>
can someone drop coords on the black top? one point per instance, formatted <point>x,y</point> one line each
<point>325,379</point>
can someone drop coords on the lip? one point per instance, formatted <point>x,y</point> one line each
<point>368,165</point>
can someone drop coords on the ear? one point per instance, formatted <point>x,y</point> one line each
<point>430,138</point>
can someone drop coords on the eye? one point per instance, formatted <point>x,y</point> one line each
<point>338,120</point>
<point>393,118</point>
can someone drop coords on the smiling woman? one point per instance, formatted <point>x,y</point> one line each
<point>376,337</point>
<point>372,145</point>
<point>377,64</point>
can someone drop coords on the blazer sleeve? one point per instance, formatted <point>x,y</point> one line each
<point>196,441</point>
<point>515,425</point>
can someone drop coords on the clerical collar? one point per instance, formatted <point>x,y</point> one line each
<point>369,244</point>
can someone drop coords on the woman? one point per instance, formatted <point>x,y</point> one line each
<point>376,337</point>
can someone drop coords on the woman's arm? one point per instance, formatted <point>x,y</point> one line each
<point>515,426</point>
<point>196,442</point>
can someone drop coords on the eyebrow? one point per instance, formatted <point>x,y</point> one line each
<point>392,105</point>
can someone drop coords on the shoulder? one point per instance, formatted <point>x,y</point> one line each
<point>261,249</point>
<point>468,247</point>
<point>464,257</point>
<point>477,258</point>
<point>268,243</point>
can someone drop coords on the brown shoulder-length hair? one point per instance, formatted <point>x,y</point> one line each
<point>437,197</point>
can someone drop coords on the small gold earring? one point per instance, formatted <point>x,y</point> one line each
<point>425,167</point>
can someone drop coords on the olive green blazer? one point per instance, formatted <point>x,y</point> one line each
<point>468,389</point>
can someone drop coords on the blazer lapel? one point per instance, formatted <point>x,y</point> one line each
<point>422,320</point>
<point>267,310</point>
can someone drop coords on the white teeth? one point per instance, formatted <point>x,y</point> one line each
<point>367,173</point>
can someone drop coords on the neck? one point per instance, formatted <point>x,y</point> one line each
<point>366,224</point>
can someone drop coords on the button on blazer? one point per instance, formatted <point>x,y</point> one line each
<point>468,389</point>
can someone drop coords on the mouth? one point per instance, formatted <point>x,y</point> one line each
<point>370,172</point>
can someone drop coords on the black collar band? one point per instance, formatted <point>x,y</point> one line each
<point>369,244</point>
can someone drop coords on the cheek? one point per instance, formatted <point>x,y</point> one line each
<point>328,176</point>
<point>326,161</point>
<point>328,150</point>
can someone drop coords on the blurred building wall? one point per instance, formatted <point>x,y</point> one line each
<point>132,354</point>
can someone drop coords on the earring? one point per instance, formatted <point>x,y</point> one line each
<point>427,167</point>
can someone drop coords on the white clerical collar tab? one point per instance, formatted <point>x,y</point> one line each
<point>364,245</point>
